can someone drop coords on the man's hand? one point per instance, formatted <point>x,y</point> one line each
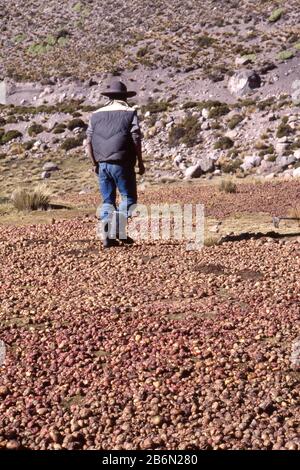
<point>96,169</point>
<point>141,168</point>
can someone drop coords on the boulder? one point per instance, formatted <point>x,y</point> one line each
<point>205,113</point>
<point>193,171</point>
<point>284,161</point>
<point>296,92</point>
<point>178,159</point>
<point>273,117</point>
<point>251,162</point>
<point>45,175</point>
<point>182,166</point>
<point>243,82</point>
<point>87,190</point>
<point>297,154</point>
<point>204,165</point>
<point>207,164</point>
<point>243,60</point>
<point>3,92</point>
<point>170,124</point>
<point>36,145</point>
<point>50,166</point>
<point>91,82</point>
<point>287,174</point>
<point>267,167</point>
<point>296,172</point>
<point>205,126</point>
<point>280,147</point>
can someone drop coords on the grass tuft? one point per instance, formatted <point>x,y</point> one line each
<point>228,186</point>
<point>31,199</point>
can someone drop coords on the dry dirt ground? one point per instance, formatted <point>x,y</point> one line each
<point>152,346</point>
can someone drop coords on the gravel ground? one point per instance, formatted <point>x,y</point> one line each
<point>149,346</point>
<point>274,198</point>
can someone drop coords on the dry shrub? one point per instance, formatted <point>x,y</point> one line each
<point>31,199</point>
<point>228,186</point>
<point>211,241</point>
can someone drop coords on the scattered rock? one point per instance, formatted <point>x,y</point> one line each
<point>193,171</point>
<point>284,161</point>
<point>13,445</point>
<point>251,162</point>
<point>50,166</point>
<point>297,154</point>
<point>4,391</point>
<point>296,172</point>
<point>244,60</point>
<point>243,82</point>
<point>207,164</point>
<point>205,113</point>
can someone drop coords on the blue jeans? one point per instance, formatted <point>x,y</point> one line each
<point>112,177</point>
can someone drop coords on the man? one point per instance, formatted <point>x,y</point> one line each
<point>114,146</point>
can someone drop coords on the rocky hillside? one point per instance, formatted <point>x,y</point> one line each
<point>81,38</point>
<point>218,82</point>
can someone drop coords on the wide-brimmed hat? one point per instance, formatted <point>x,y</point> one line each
<point>116,88</point>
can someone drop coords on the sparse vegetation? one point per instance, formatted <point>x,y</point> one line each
<point>71,143</point>
<point>78,7</point>
<point>142,52</point>
<point>59,128</point>
<point>205,41</point>
<point>187,132</point>
<point>155,107</point>
<point>247,102</point>
<point>286,55</point>
<point>28,145</point>
<point>211,241</point>
<point>217,111</point>
<point>267,150</point>
<point>284,130</point>
<point>9,136</point>
<point>76,123</point>
<point>265,104</point>
<point>191,104</point>
<point>35,129</point>
<point>228,186</point>
<point>235,121</point>
<point>223,143</point>
<point>231,166</point>
<point>276,15</point>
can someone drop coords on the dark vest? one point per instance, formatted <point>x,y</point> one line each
<point>112,139</point>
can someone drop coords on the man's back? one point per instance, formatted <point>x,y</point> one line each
<point>112,131</point>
